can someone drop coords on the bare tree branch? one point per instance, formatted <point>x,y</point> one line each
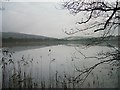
<point>94,9</point>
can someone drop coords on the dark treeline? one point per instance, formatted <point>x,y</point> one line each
<point>50,41</point>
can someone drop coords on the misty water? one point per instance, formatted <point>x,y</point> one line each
<point>42,63</point>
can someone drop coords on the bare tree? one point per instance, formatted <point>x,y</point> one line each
<point>99,16</point>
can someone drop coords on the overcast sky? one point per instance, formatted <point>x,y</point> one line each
<point>42,18</point>
<point>39,18</point>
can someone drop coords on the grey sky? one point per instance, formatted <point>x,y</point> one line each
<point>41,18</point>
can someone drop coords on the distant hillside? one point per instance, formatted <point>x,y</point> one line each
<point>14,35</point>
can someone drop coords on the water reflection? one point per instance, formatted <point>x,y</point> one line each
<point>55,66</point>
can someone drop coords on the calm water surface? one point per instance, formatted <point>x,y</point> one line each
<point>42,64</point>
